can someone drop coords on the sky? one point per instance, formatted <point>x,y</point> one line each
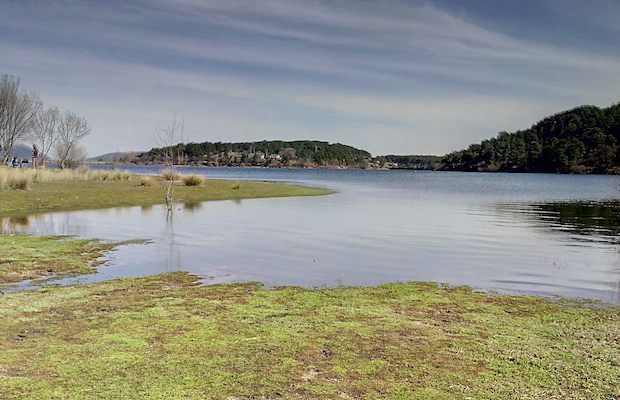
<point>391,76</point>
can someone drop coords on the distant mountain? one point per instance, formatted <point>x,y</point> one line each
<point>22,152</point>
<point>125,156</point>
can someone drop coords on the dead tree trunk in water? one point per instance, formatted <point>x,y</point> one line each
<point>168,139</point>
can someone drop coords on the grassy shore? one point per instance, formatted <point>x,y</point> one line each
<point>31,257</point>
<point>165,337</point>
<point>80,195</point>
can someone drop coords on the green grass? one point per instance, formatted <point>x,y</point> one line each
<point>29,257</point>
<point>80,195</point>
<point>164,337</point>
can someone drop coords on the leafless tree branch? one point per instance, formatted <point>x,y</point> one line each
<point>45,131</point>
<point>71,129</point>
<point>168,140</point>
<point>18,111</point>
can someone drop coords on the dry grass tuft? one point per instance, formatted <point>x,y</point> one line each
<point>22,181</point>
<point>170,175</point>
<point>118,175</point>
<point>146,180</point>
<point>193,180</point>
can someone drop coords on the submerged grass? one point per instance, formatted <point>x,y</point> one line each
<point>165,337</point>
<point>25,257</point>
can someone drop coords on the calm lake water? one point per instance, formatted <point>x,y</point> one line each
<point>518,233</point>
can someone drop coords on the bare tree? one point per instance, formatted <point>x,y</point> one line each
<point>71,129</point>
<point>168,140</point>
<point>127,157</point>
<point>74,155</point>
<point>45,131</point>
<point>18,111</point>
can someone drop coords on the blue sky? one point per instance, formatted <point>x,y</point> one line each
<point>387,76</point>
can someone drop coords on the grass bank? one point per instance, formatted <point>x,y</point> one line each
<point>164,337</point>
<point>31,257</point>
<point>65,195</point>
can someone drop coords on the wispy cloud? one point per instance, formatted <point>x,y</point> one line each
<point>390,76</point>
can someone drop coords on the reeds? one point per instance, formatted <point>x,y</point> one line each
<point>118,175</point>
<point>22,178</point>
<point>13,178</point>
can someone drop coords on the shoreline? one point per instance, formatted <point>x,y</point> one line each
<point>85,195</point>
<point>353,168</point>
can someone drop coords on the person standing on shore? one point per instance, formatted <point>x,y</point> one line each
<point>35,156</point>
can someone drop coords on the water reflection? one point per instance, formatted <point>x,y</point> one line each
<point>192,205</point>
<point>172,252</point>
<point>9,225</point>
<point>582,221</point>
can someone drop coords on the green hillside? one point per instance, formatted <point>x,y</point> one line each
<point>582,140</point>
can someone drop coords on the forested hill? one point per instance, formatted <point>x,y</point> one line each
<point>299,153</point>
<point>585,139</point>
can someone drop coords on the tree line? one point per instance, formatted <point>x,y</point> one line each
<point>289,152</point>
<point>584,139</point>
<point>24,117</point>
<point>421,162</point>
